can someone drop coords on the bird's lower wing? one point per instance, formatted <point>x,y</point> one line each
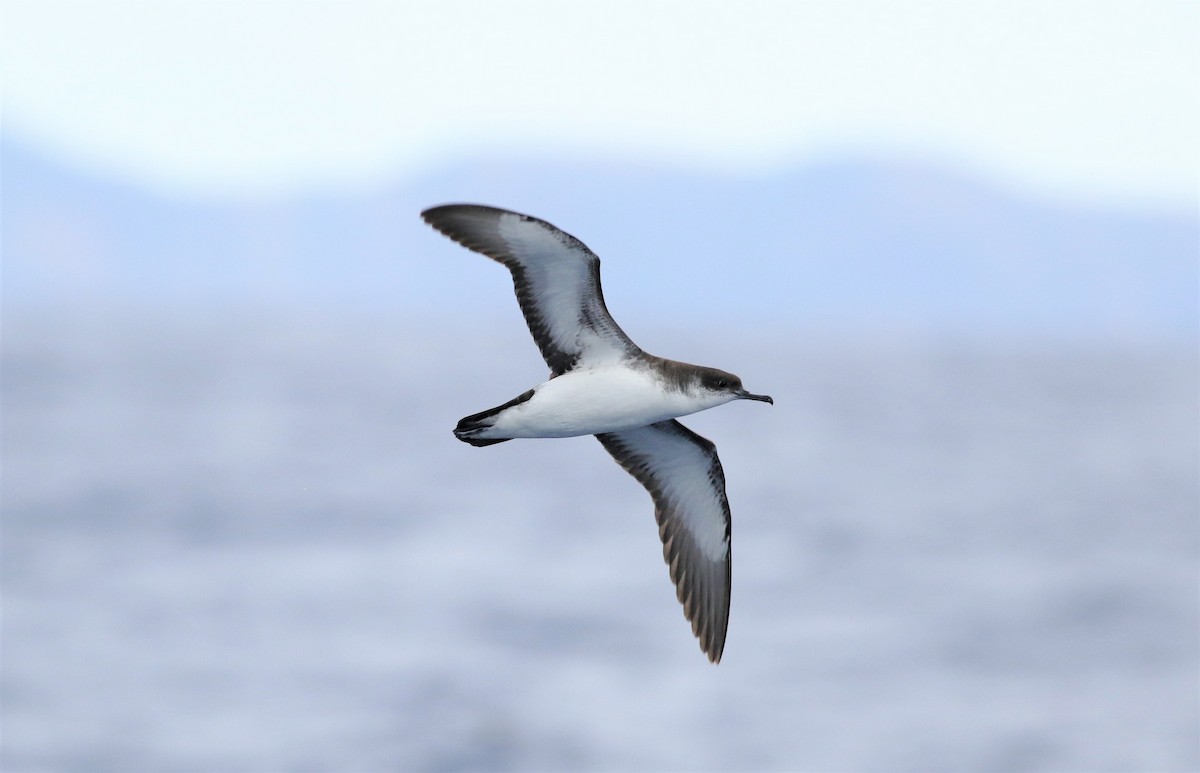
<point>681,471</point>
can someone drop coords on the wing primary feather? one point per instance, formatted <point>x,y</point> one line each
<point>555,276</point>
<point>683,475</point>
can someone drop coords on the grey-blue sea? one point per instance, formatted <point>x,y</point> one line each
<point>251,543</point>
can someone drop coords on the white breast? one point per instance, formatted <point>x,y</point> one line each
<point>588,401</point>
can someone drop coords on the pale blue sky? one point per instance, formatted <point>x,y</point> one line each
<point>1091,100</point>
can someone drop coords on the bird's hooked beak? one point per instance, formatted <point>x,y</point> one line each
<point>744,395</point>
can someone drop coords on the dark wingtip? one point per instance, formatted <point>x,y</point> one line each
<point>433,215</point>
<point>429,212</point>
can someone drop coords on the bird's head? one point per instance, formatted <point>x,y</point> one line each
<point>720,384</point>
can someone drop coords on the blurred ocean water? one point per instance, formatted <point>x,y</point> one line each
<point>250,543</point>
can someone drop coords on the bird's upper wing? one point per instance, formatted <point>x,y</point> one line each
<point>556,277</point>
<point>681,471</point>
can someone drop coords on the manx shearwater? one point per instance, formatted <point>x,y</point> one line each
<point>601,383</point>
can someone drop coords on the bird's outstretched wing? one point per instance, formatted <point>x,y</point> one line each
<point>681,471</point>
<point>556,277</point>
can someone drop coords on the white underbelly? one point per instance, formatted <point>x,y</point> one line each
<point>590,401</point>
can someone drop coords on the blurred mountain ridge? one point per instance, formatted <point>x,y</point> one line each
<point>863,244</point>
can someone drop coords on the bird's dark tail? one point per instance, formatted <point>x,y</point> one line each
<point>467,431</point>
<point>470,428</point>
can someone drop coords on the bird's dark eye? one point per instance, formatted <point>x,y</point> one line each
<point>722,383</point>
